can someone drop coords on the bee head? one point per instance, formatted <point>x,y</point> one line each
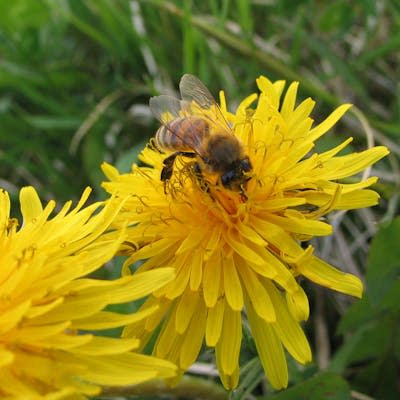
<point>235,177</point>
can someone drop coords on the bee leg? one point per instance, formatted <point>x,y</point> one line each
<point>168,168</point>
<point>199,177</point>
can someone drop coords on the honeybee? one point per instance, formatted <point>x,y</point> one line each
<point>195,127</point>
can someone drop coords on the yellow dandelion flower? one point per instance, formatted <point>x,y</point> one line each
<point>238,247</point>
<point>46,301</point>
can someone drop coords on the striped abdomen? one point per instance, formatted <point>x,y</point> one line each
<point>183,134</point>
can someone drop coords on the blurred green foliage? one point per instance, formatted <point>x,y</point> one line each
<point>371,326</point>
<point>75,78</point>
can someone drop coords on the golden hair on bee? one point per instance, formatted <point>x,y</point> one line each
<point>194,127</point>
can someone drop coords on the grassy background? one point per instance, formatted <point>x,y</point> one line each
<point>75,78</point>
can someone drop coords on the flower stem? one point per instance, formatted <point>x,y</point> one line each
<point>188,387</point>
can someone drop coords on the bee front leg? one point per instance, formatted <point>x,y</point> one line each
<point>243,194</point>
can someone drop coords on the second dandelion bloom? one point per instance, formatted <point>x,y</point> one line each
<point>234,236</point>
<point>52,313</point>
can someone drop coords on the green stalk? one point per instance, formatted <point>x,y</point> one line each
<point>188,387</point>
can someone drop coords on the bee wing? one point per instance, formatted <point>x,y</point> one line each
<point>193,90</point>
<point>165,108</point>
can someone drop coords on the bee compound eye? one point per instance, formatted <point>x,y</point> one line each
<point>246,165</point>
<point>227,178</point>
